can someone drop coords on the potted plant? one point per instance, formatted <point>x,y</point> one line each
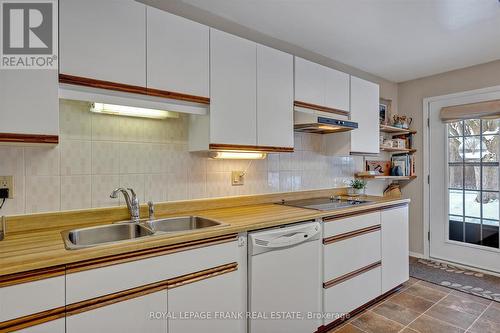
<point>358,186</point>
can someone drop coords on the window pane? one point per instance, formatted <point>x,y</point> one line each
<point>472,177</point>
<point>454,149</point>
<point>490,236</point>
<point>456,129</point>
<point>472,149</point>
<point>473,232</point>
<point>472,205</point>
<point>455,180</point>
<point>490,178</point>
<point>490,205</point>
<point>490,148</point>
<point>490,126</point>
<point>472,127</point>
<point>456,202</point>
<point>456,228</point>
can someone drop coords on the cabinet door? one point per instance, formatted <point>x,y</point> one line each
<point>233,92</point>
<point>395,253</point>
<point>214,296</point>
<point>29,102</point>
<point>132,315</point>
<point>177,54</point>
<point>364,111</point>
<point>104,40</point>
<point>336,89</point>
<point>274,98</point>
<point>309,82</point>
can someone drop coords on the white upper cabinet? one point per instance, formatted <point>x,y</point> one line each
<point>309,82</point>
<point>337,89</point>
<point>103,40</point>
<point>320,85</point>
<point>274,98</point>
<point>364,111</point>
<point>177,54</point>
<point>29,102</point>
<point>233,90</point>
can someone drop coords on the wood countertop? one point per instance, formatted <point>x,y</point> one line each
<point>44,247</point>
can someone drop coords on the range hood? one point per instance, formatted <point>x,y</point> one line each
<point>311,121</point>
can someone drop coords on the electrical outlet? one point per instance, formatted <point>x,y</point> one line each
<point>237,178</point>
<point>8,182</point>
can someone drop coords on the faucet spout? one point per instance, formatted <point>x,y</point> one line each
<point>131,200</point>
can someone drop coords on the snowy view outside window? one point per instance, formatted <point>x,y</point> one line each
<point>473,181</point>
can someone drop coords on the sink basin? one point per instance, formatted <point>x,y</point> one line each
<point>184,223</point>
<point>88,237</point>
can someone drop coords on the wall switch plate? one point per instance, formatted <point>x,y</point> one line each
<point>237,178</point>
<point>8,182</point>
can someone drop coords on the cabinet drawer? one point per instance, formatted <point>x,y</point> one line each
<point>14,299</point>
<point>347,255</point>
<point>110,279</point>
<point>346,296</point>
<point>349,224</point>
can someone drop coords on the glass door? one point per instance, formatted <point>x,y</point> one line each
<point>464,190</point>
<point>473,182</point>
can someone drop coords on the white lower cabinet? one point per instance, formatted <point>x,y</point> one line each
<point>132,315</point>
<point>395,252</point>
<point>346,296</point>
<point>13,299</point>
<point>362,251</point>
<point>207,305</point>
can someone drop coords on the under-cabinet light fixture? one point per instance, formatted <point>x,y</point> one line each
<point>238,155</point>
<point>131,111</point>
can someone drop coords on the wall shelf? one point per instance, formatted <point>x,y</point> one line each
<point>395,130</point>
<point>398,150</point>
<point>369,177</point>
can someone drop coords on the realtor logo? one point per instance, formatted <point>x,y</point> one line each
<point>29,34</point>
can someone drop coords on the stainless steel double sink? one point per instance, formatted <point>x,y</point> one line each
<point>127,230</point>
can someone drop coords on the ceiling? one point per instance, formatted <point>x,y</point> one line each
<point>398,40</point>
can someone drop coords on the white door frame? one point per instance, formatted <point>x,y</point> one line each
<point>426,152</point>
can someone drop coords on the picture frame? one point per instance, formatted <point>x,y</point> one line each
<point>384,111</point>
<point>381,167</point>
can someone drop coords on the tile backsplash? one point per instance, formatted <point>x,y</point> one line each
<point>98,153</point>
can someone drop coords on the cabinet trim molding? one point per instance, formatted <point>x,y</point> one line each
<point>268,149</point>
<point>147,253</point>
<point>321,108</point>
<point>101,301</point>
<point>362,212</point>
<point>351,234</point>
<point>29,138</point>
<point>350,275</point>
<point>328,327</point>
<point>30,276</point>
<point>32,320</point>
<point>101,84</point>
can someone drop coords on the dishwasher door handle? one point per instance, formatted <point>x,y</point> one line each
<point>288,240</point>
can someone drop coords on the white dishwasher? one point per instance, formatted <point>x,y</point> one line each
<point>284,278</point>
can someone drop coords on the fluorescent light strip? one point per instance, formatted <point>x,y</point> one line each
<point>238,155</point>
<point>131,111</point>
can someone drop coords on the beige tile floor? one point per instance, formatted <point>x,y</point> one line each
<point>422,307</point>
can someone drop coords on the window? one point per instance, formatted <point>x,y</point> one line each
<point>473,168</point>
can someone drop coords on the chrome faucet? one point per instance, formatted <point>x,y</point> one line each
<point>132,202</point>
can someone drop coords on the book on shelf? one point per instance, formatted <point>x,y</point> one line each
<point>406,162</point>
